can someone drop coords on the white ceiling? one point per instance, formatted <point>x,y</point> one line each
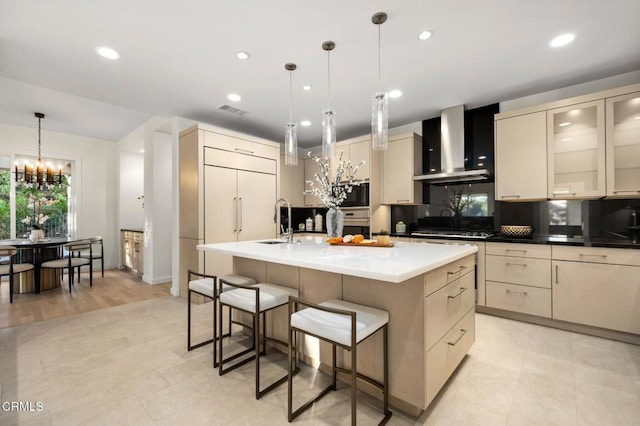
<point>178,59</point>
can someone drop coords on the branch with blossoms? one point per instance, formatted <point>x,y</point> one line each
<point>38,219</point>
<point>333,192</point>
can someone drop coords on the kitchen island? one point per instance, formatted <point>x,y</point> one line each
<point>428,290</point>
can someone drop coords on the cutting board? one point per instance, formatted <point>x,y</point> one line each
<point>371,244</point>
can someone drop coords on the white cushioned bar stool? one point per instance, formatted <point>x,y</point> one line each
<point>342,324</point>
<point>254,300</point>
<point>206,286</point>
<point>7,267</point>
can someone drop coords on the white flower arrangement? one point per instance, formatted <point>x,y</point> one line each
<point>333,192</point>
<point>38,219</point>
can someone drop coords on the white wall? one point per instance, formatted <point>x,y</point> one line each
<point>131,187</point>
<point>95,178</point>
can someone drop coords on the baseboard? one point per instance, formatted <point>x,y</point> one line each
<point>160,280</point>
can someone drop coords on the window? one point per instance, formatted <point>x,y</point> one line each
<point>5,197</point>
<point>565,217</point>
<point>478,205</point>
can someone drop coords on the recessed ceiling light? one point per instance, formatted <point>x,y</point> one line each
<point>482,157</point>
<point>142,150</point>
<point>107,52</point>
<point>395,94</point>
<point>306,87</point>
<point>566,123</point>
<point>425,35</point>
<point>305,123</point>
<point>565,139</point>
<point>636,118</point>
<point>233,97</point>
<point>562,40</point>
<point>242,55</point>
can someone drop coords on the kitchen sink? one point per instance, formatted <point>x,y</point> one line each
<point>271,242</point>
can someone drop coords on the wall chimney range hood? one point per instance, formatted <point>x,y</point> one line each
<point>452,153</point>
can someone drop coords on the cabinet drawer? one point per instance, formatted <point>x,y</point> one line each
<point>239,145</point>
<point>447,353</point>
<point>234,160</point>
<point>539,251</point>
<point>519,298</point>
<point>447,306</point>
<point>437,279</point>
<point>614,256</point>
<point>519,270</point>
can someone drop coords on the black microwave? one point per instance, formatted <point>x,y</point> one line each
<point>358,197</point>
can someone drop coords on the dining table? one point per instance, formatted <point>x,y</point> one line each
<point>37,252</point>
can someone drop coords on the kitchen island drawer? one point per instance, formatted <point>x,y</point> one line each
<point>447,353</point>
<point>614,256</point>
<point>519,298</point>
<point>539,251</point>
<point>519,270</point>
<point>440,277</point>
<point>447,306</point>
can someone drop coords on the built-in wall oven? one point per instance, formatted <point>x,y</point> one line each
<point>356,221</point>
<point>358,197</point>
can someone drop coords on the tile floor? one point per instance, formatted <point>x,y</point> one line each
<point>128,365</point>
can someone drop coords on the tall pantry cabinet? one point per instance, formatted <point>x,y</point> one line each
<point>228,187</point>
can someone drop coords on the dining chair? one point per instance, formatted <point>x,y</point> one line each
<point>8,268</point>
<point>97,251</point>
<point>73,261</point>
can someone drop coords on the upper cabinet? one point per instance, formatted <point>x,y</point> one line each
<point>521,157</point>
<point>354,150</point>
<point>566,149</point>
<point>623,146</point>
<point>292,182</point>
<point>400,162</point>
<point>576,151</point>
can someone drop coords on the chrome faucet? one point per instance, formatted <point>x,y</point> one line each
<point>289,233</point>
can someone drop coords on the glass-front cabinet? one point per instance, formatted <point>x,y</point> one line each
<point>576,151</point>
<point>623,146</point>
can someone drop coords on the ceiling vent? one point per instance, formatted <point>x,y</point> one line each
<point>232,110</point>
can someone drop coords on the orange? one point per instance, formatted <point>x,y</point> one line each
<point>358,238</point>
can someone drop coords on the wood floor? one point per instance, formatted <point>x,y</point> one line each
<point>118,287</point>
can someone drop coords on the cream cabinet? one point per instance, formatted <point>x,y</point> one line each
<point>623,145</point>
<point>228,188</point>
<point>310,169</point>
<point>576,151</point>
<point>518,278</point>
<point>133,250</point>
<point>355,151</point>
<point>597,286</point>
<point>401,161</point>
<point>521,157</point>
<point>292,182</point>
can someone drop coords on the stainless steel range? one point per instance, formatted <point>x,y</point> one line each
<point>454,234</point>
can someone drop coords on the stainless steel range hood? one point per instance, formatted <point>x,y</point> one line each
<point>452,152</point>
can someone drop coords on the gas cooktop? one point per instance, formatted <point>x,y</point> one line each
<point>450,233</point>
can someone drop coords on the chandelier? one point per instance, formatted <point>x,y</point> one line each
<point>38,176</point>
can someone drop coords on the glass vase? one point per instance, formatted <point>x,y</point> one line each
<point>335,222</point>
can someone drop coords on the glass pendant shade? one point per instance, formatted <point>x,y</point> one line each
<point>380,121</point>
<point>291,144</point>
<point>328,133</point>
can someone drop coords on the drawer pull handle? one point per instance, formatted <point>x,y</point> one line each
<point>402,201</point>
<point>524,293</point>
<point>462,290</point>
<point>625,190</point>
<point>604,256</point>
<point>521,250</point>
<point>462,268</point>
<point>244,150</point>
<point>462,333</point>
<point>556,274</point>
<point>515,264</point>
<point>510,196</point>
<point>563,192</point>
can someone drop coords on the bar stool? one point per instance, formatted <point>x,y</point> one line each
<point>342,324</point>
<point>254,300</point>
<point>205,285</point>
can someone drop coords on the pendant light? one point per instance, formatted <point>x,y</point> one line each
<point>379,101</point>
<point>291,128</point>
<point>38,176</point>
<point>328,115</point>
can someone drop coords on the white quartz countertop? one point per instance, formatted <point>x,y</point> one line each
<point>395,264</point>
